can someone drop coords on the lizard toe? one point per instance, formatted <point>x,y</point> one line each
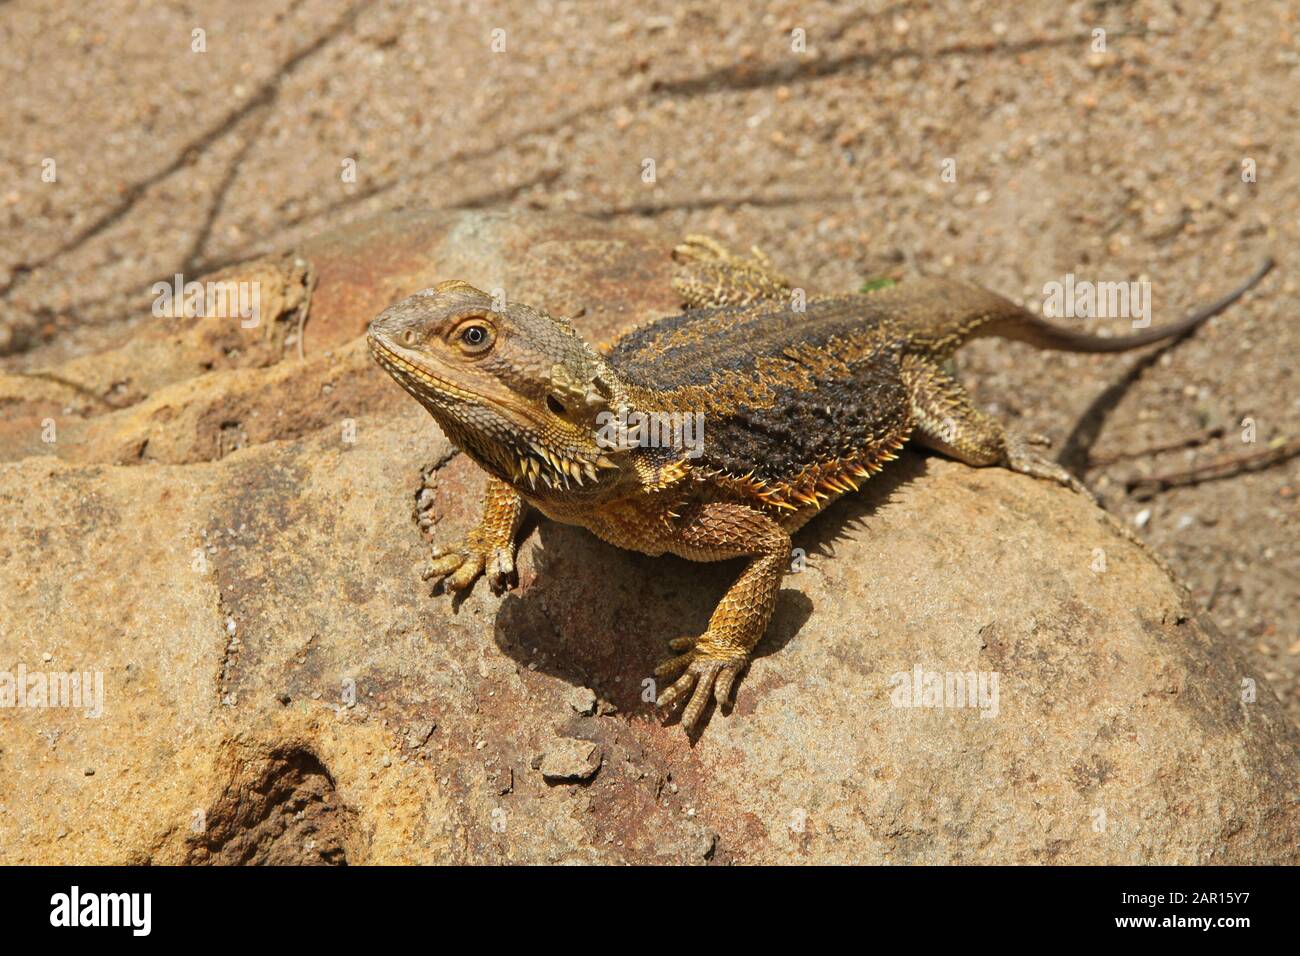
<point>679,689</point>
<point>465,575</point>
<point>674,665</point>
<point>726,680</point>
<point>700,247</point>
<point>704,678</point>
<point>442,565</point>
<point>453,569</point>
<point>707,672</point>
<point>501,571</point>
<point>1020,458</point>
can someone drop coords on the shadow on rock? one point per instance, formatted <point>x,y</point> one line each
<point>600,617</point>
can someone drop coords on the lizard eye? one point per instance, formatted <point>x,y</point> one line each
<point>408,337</point>
<point>474,337</point>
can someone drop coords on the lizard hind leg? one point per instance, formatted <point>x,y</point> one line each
<point>947,422</point>
<point>708,275</point>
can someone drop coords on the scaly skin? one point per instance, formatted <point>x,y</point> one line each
<point>799,406</point>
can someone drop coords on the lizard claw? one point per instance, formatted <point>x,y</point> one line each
<point>457,568</point>
<point>702,676</point>
<point>500,568</point>
<point>1021,459</point>
<point>702,248</point>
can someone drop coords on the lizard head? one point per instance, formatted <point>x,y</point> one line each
<point>516,389</point>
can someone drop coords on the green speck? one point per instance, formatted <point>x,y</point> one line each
<point>880,282</point>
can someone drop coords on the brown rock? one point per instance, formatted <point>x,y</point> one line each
<point>1123,728</point>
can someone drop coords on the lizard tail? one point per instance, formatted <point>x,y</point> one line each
<point>1027,327</point>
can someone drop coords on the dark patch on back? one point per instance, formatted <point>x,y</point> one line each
<point>837,418</point>
<point>689,349</point>
<point>853,399</point>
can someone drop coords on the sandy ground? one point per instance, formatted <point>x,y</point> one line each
<point>1114,166</point>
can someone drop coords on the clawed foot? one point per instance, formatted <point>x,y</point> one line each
<point>706,673</point>
<point>709,275</point>
<point>708,250</point>
<point>457,568</point>
<point>1022,459</point>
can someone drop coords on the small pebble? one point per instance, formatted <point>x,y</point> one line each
<point>582,700</point>
<point>570,760</point>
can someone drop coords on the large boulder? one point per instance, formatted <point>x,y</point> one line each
<point>230,536</point>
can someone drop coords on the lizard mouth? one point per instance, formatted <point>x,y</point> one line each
<point>416,378</point>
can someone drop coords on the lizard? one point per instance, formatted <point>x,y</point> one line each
<point>801,404</point>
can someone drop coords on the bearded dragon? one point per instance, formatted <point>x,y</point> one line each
<point>801,401</point>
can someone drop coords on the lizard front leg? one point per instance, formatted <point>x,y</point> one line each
<point>713,661</point>
<point>488,547</point>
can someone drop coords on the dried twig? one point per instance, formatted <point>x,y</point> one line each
<point>1192,441</point>
<point>1225,467</point>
